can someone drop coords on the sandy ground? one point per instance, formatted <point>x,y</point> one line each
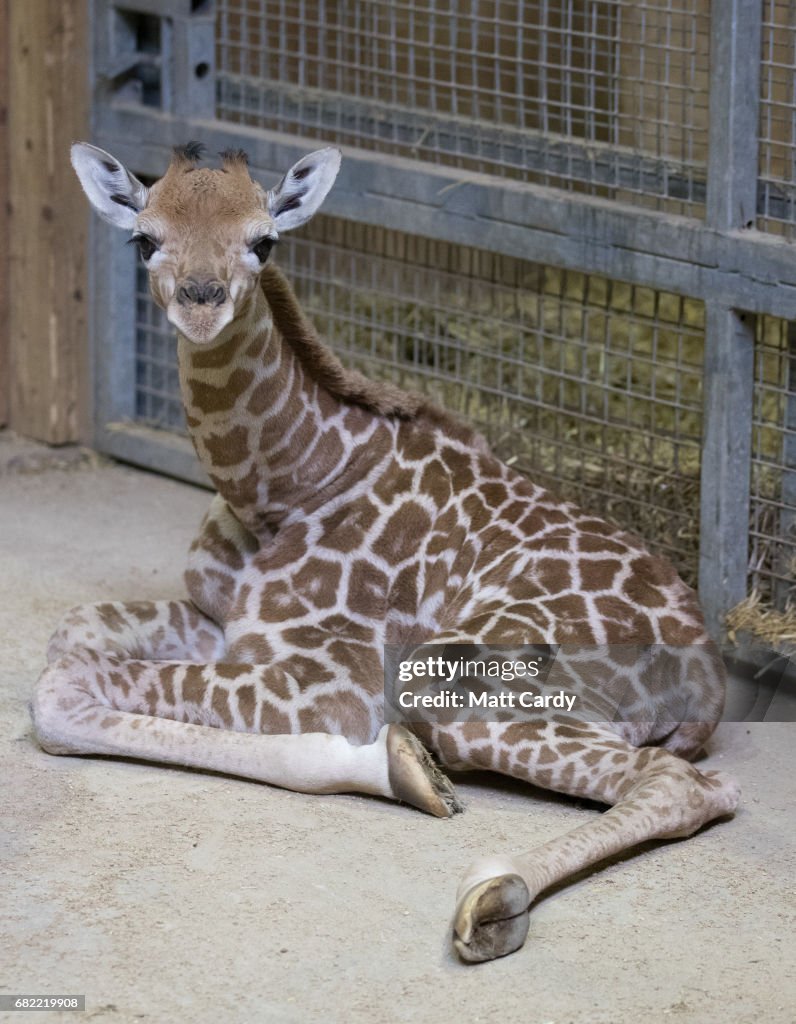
<point>170,895</point>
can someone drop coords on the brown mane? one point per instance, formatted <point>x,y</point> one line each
<point>325,368</point>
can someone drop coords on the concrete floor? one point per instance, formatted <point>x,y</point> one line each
<point>168,895</point>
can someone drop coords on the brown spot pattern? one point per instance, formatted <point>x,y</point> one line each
<point>212,398</point>
<point>402,533</point>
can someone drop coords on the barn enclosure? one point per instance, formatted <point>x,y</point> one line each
<point>571,221</point>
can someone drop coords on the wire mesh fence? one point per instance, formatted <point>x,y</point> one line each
<point>597,96</point>
<point>157,388</point>
<point>773,519</point>
<point>777,183</point>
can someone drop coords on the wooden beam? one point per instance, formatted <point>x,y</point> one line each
<point>4,201</point>
<point>48,221</point>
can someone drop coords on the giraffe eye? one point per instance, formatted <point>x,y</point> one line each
<point>262,248</point>
<point>146,246</point>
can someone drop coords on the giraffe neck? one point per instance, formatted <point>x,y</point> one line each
<point>270,437</point>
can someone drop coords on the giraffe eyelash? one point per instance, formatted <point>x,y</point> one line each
<point>266,244</point>
<point>143,243</point>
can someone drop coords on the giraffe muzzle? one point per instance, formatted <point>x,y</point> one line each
<point>201,293</point>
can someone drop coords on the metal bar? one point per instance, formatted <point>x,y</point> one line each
<point>112,327</point>
<point>786,562</point>
<point>153,449</point>
<point>161,8</point>
<point>743,269</point>
<point>193,50</point>
<point>726,461</point>
<point>734,113</point>
<point>729,334</point>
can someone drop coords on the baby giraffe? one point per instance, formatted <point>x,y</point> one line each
<point>350,515</point>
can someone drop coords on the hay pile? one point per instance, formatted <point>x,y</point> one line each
<point>776,629</point>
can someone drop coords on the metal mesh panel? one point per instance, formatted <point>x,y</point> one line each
<point>597,96</point>
<point>588,385</point>
<point>773,529</point>
<point>777,183</point>
<point>157,389</point>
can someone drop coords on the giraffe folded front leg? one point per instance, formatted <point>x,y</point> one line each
<point>207,716</point>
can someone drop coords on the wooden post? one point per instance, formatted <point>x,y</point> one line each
<point>48,220</point>
<point>4,201</point>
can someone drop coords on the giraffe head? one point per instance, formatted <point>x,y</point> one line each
<point>204,234</point>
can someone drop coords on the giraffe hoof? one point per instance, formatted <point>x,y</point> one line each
<point>492,919</point>
<point>415,779</point>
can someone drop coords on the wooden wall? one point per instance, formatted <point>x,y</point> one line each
<point>4,197</point>
<point>46,369</point>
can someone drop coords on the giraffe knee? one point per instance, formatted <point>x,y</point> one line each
<point>73,628</point>
<point>47,712</point>
<point>59,697</point>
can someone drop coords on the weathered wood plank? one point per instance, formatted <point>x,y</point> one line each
<point>4,199</point>
<point>48,221</point>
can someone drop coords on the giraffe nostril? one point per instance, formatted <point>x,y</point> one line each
<point>215,293</point>
<point>211,292</point>
<point>188,293</point>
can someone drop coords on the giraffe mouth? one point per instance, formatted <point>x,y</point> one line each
<point>200,323</point>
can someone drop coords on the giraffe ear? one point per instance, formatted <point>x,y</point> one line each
<point>302,190</point>
<point>116,194</point>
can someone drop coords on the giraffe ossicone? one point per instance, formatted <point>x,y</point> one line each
<point>350,514</point>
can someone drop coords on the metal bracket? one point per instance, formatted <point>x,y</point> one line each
<point>158,55</point>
